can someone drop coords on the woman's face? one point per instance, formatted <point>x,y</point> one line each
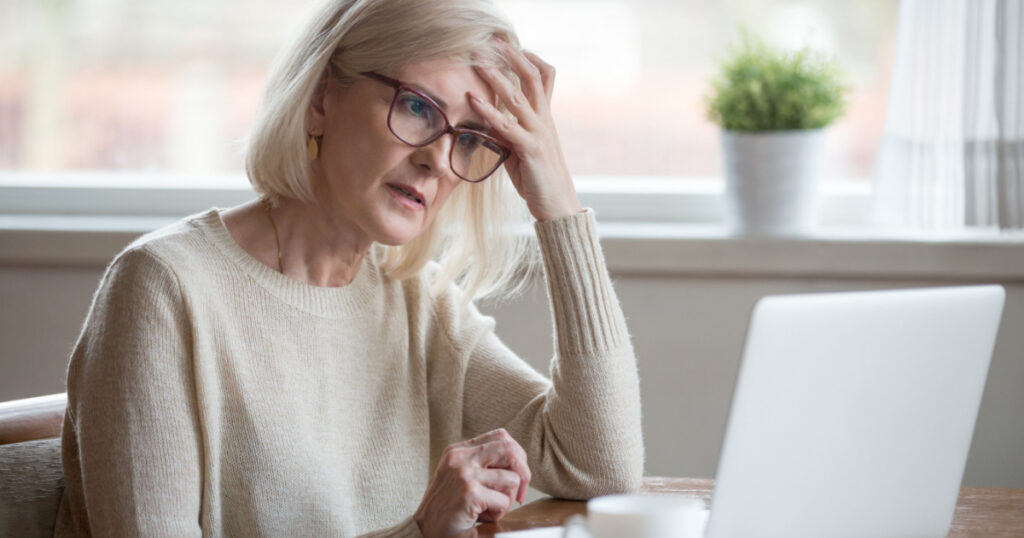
<point>365,175</point>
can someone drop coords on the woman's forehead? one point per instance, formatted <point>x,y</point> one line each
<point>446,80</point>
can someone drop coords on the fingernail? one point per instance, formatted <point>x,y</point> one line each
<point>475,98</point>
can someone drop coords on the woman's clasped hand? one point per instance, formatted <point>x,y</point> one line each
<point>476,480</point>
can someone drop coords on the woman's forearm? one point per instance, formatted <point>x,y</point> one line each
<point>581,430</point>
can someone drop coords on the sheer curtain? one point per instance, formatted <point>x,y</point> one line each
<point>952,155</point>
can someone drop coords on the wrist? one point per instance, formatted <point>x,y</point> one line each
<point>418,518</point>
<point>424,531</point>
<point>566,210</point>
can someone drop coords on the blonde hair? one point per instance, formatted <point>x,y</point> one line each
<point>477,236</point>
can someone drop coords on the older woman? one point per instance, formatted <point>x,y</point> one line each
<point>298,365</point>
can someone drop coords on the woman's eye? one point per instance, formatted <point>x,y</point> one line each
<point>417,107</point>
<point>468,141</point>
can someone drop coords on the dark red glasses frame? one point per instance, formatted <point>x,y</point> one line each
<point>399,86</point>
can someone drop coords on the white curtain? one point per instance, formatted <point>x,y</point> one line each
<point>952,155</point>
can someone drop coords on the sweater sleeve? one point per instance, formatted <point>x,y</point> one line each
<point>582,430</point>
<point>131,443</point>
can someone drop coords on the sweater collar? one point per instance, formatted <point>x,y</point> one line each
<point>328,302</point>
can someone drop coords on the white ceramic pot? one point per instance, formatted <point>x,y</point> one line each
<point>771,181</point>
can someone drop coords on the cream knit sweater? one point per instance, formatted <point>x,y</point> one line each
<point>210,395</point>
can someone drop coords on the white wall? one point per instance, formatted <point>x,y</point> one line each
<point>687,301</point>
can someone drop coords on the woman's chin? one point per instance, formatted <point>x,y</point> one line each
<point>400,227</point>
<point>395,236</point>
<point>392,242</point>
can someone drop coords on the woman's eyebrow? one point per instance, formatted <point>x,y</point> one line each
<point>475,125</point>
<point>440,102</point>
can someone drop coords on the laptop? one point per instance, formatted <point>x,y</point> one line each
<point>853,413</point>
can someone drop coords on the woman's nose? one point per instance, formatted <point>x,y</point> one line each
<point>434,156</point>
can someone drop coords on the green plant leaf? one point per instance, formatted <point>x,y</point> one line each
<point>759,88</point>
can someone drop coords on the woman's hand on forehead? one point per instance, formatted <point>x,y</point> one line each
<point>537,166</point>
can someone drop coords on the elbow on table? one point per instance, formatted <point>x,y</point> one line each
<point>627,477</point>
<point>617,471</point>
<point>622,477</point>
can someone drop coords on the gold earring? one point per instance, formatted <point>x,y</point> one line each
<point>312,148</point>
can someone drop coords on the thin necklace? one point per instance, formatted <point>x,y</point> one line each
<point>277,238</point>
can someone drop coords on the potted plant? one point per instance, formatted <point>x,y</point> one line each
<point>773,107</point>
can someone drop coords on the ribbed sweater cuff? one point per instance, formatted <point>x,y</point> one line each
<point>586,311</point>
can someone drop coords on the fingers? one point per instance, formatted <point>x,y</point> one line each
<point>510,95</point>
<point>506,453</point>
<point>498,449</point>
<point>503,454</point>
<point>504,481</point>
<point>547,74</point>
<point>489,504</point>
<point>476,480</point>
<point>499,479</point>
<point>484,438</point>
<point>531,79</point>
<point>529,104</point>
<point>505,126</point>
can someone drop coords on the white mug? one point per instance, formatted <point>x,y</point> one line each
<point>640,515</point>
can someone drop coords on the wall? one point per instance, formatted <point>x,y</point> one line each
<point>687,297</point>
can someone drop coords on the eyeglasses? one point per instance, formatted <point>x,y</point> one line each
<point>417,120</point>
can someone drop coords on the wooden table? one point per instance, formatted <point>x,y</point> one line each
<point>979,511</point>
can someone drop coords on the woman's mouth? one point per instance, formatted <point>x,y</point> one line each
<point>408,196</point>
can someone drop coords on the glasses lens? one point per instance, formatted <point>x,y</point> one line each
<point>414,119</point>
<point>474,157</point>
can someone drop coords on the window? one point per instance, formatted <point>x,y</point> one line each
<point>633,75</point>
<point>166,90</point>
<point>140,85</point>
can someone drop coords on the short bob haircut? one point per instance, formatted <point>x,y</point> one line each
<point>478,235</point>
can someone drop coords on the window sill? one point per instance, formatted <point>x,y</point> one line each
<point>665,250</point>
<point>649,226</point>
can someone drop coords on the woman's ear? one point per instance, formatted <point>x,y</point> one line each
<point>316,113</point>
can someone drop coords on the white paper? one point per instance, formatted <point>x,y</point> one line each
<point>546,532</point>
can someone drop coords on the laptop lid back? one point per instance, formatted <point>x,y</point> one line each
<point>853,413</point>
